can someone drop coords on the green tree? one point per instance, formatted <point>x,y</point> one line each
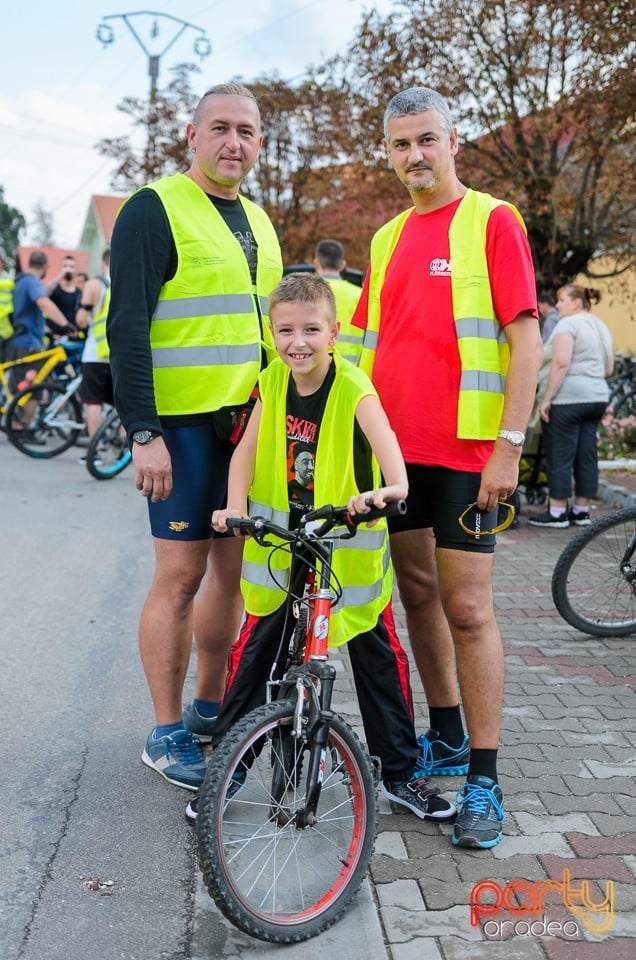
<point>544,99</point>
<point>12,224</point>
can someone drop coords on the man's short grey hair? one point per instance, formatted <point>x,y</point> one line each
<point>418,100</point>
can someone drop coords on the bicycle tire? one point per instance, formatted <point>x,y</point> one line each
<point>625,406</point>
<point>271,879</point>
<point>42,435</point>
<point>589,589</point>
<point>108,453</point>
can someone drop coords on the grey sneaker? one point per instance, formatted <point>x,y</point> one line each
<point>439,760</point>
<point>479,822</point>
<point>202,727</point>
<point>547,520</point>
<point>421,798</point>
<point>177,757</point>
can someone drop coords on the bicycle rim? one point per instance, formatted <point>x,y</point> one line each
<point>589,588</point>
<point>271,879</point>
<point>43,422</point>
<point>108,452</point>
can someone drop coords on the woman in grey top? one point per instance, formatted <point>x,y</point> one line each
<point>576,395</point>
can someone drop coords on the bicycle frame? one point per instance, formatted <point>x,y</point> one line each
<point>52,357</point>
<point>314,680</point>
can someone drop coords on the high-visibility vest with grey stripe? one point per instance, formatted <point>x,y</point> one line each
<point>206,336</point>
<point>346,295</point>
<point>98,325</point>
<point>361,564</point>
<point>483,348</point>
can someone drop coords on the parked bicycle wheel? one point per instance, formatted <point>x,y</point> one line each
<point>271,876</point>
<point>594,580</point>
<point>44,420</point>
<point>108,452</point>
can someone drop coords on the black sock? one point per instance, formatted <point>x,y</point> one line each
<point>483,763</point>
<point>447,721</point>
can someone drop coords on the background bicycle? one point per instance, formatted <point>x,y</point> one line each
<point>108,452</point>
<point>594,579</point>
<point>46,416</point>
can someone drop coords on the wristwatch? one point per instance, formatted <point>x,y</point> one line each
<point>144,436</point>
<point>515,437</point>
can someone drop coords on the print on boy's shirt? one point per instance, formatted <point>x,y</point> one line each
<point>301,461</point>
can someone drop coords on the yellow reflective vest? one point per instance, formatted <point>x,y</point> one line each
<point>206,335</point>
<point>7,284</point>
<point>483,349</point>
<point>350,338</point>
<point>361,564</point>
<point>98,326</point>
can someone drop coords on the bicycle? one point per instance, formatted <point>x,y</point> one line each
<point>46,417</point>
<point>108,452</point>
<point>622,384</point>
<point>38,367</point>
<point>594,580</point>
<point>287,813</point>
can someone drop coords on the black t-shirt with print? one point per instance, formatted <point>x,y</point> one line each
<point>304,419</point>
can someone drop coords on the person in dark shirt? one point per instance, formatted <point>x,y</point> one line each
<point>192,265</point>
<point>65,293</point>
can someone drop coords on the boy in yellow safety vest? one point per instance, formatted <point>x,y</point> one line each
<point>313,400</point>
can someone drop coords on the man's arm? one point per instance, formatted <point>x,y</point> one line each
<point>500,475</point>
<point>142,259</point>
<point>53,314</point>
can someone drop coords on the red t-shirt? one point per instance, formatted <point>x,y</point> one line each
<point>417,367</point>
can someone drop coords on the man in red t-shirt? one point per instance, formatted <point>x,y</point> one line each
<point>410,310</point>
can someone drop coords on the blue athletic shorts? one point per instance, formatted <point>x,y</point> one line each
<point>200,463</point>
<point>437,498</point>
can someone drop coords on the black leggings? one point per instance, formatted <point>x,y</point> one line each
<point>380,671</point>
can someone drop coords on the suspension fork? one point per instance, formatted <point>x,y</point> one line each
<point>319,682</point>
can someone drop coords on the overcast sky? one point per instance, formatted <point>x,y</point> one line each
<point>59,86</point>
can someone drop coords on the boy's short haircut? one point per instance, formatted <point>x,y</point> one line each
<point>303,288</point>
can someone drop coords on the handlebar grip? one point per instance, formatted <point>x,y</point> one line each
<point>397,508</point>
<point>240,523</point>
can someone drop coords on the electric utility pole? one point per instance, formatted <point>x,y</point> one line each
<point>153,26</point>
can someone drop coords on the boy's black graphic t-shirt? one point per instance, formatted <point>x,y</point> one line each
<point>304,419</point>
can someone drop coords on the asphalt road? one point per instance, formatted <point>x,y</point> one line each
<point>96,859</point>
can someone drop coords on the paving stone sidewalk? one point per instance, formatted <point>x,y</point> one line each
<point>567,765</point>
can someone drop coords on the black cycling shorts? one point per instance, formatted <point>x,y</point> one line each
<point>200,464</point>
<point>437,498</point>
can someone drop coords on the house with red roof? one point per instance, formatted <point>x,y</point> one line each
<point>98,228</point>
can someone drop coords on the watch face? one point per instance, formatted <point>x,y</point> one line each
<point>516,437</point>
<point>142,436</point>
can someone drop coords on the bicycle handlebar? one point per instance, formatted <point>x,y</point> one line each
<point>332,517</point>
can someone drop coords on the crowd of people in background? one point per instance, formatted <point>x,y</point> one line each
<point>453,396</point>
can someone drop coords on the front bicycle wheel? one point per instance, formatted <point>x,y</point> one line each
<point>108,452</point>
<point>594,580</point>
<point>271,877</point>
<point>43,421</point>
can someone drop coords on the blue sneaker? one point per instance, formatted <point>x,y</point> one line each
<point>201,727</point>
<point>440,760</point>
<point>177,757</point>
<point>479,821</point>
